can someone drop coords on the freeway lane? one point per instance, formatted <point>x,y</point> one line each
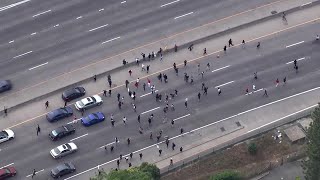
<point>232,101</point>
<point>71,45</point>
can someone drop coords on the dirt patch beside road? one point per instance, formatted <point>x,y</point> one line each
<point>270,152</point>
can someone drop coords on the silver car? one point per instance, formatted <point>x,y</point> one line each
<point>6,135</point>
<point>63,150</point>
<point>89,102</point>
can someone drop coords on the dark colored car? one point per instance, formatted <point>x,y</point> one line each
<point>92,119</point>
<point>5,85</point>
<point>63,169</point>
<point>60,113</point>
<point>73,93</point>
<point>61,132</point>
<point>7,172</point>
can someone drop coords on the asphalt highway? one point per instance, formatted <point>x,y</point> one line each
<point>42,39</point>
<point>233,75</point>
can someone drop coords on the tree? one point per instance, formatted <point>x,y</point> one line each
<point>252,148</point>
<point>311,166</point>
<point>143,172</point>
<point>226,175</point>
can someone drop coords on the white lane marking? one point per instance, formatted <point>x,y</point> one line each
<point>36,172</point>
<point>183,15</point>
<point>220,68</point>
<point>56,25</point>
<point>306,4</point>
<point>283,118</point>
<point>107,145</point>
<point>7,165</point>
<point>13,5</point>
<point>33,33</point>
<point>123,2</point>
<point>101,9</point>
<point>254,91</point>
<point>290,62</point>
<point>39,65</point>
<point>148,93</point>
<point>199,129</point>
<point>225,84</point>
<point>78,137</point>
<point>79,17</point>
<point>294,44</point>
<point>111,40</point>
<point>22,54</point>
<point>163,5</point>
<point>98,27</point>
<point>150,110</point>
<point>41,13</point>
<point>74,121</point>
<point>11,41</point>
<point>181,117</point>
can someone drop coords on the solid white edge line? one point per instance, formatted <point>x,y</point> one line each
<point>306,4</point>
<point>183,15</point>
<point>148,93</point>
<point>98,27</point>
<point>282,118</point>
<point>290,62</point>
<point>111,40</point>
<point>199,129</point>
<point>225,84</point>
<point>39,65</point>
<point>42,13</point>
<point>78,137</point>
<point>181,117</point>
<point>220,68</point>
<point>294,44</point>
<point>150,110</point>
<point>7,165</point>
<point>22,54</point>
<point>36,172</point>
<point>163,5</point>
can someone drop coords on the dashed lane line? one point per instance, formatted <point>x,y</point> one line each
<point>7,165</point>
<point>41,13</point>
<point>183,15</point>
<point>295,44</point>
<point>98,27</point>
<point>38,66</point>
<point>181,117</point>
<point>36,172</point>
<point>79,137</point>
<point>290,62</point>
<point>224,84</point>
<point>148,93</point>
<point>150,110</point>
<point>220,68</point>
<point>164,5</point>
<point>22,54</point>
<point>111,40</point>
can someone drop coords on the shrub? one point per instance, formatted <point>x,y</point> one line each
<point>252,148</point>
<point>226,175</point>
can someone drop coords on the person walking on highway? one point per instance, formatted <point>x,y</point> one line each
<point>33,173</point>
<point>208,67</point>
<point>219,91</point>
<point>127,83</point>
<point>38,130</point>
<point>172,123</point>
<point>175,48</point>
<point>95,78</point>
<point>124,119</point>
<point>144,86</point>
<point>247,91</point>
<point>255,75</point>
<point>277,82</point>
<point>118,96</point>
<point>181,130</point>
<point>134,107</point>
<point>46,104</point>
<point>265,93</point>
<point>230,42</point>
<point>284,80</point>
<point>243,44</point>
<point>148,68</point>
<point>130,72</point>
<point>199,96</point>
<point>190,47</point>
<point>171,162</point>
<point>186,103</point>
<point>258,45</point>
<point>185,63</point>
<point>204,51</point>
<point>5,110</point>
<point>139,118</point>
<point>181,149</point>
<point>160,151</point>
<point>119,104</point>
<point>109,92</point>
<point>105,93</point>
<point>253,88</point>
<point>128,141</point>
<point>173,146</point>
<point>140,155</point>
<point>225,48</point>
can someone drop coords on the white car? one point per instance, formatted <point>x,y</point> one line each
<point>6,135</point>
<point>89,102</point>
<point>63,150</point>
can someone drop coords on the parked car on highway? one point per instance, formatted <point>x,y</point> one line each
<point>89,102</point>
<point>5,85</point>
<point>60,113</point>
<point>63,169</point>
<point>7,172</point>
<point>73,93</point>
<point>6,135</point>
<point>63,150</point>
<point>61,132</point>
<point>92,119</point>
